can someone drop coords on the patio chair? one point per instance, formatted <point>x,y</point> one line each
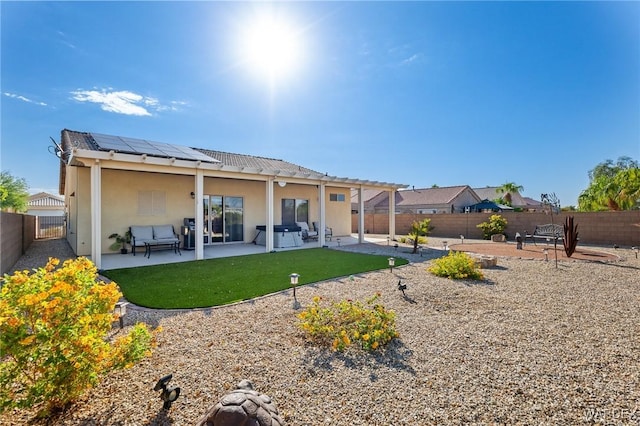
<point>328,232</point>
<point>307,234</point>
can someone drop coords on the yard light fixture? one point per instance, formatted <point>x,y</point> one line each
<point>546,253</point>
<point>388,239</point>
<point>392,262</point>
<point>120,310</point>
<point>338,242</point>
<point>168,395</point>
<point>461,239</point>
<point>420,248</point>
<point>635,250</point>
<point>445,245</point>
<point>294,282</point>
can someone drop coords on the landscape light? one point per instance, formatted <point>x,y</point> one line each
<point>635,249</point>
<point>392,262</point>
<point>445,245</point>
<point>120,309</point>
<point>546,253</point>
<point>462,239</point>
<point>168,395</point>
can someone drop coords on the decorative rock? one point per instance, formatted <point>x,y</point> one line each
<point>243,407</point>
<point>484,262</point>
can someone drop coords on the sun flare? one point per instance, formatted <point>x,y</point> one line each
<point>271,48</point>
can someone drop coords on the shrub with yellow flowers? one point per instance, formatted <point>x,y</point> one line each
<point>342,324</point>
<point>456,265</point>
<point>54,324</point>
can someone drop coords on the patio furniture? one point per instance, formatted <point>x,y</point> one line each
<point>307,234</point>
<point>159,236</point>
<point>328,232</point>
<point>548,231</point>
<point>283,236</point>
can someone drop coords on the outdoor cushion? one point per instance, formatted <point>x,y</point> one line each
<point>161,232</point>
<point>140,234</point>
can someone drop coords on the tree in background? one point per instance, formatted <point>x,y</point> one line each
<point>507,189</point>
<point>14,193</point>
<point>613,186</point>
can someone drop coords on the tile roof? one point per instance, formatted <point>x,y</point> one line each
<point>85,140</point>
<point>429,196</point>
<point>251,161</point>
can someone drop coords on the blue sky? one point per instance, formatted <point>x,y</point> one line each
<point>418,93</point>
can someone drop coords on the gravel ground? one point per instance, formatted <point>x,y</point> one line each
<point>532,344</point>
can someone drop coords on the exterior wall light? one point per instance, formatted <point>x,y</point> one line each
<point>193,195</point>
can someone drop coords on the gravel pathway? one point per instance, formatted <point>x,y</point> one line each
<point>532,344</point>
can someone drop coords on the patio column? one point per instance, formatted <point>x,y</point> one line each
<point>269,214</point>
<point>199,216</point>
<point>96,213</point>
<point>360,215</point>
<point>321,204</point>
<point>392,214</point>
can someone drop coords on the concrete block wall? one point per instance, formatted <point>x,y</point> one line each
<point>596,228</point>
<point>17,232</point>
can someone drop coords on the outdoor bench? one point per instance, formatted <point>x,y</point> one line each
<point>547,232</point>
<point>154,236</point>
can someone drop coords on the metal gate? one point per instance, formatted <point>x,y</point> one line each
<point>50,227</point>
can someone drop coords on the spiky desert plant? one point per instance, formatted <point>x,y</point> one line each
<point>570,236</point>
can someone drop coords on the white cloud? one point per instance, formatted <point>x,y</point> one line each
<point>120,102</point>
<point>413,58</point>
<point>22,98</point>
<point>125,102</point>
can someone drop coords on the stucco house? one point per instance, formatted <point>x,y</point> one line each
<point>451,199</point>
<point>111,183</point>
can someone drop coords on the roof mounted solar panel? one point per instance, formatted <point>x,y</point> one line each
<point>154,149</point>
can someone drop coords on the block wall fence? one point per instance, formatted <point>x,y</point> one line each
<point>594,228</point>
<point>17,232</point>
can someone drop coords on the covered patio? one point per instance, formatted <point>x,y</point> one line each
<point>117,261</point>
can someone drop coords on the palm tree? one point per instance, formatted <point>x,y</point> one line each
<point>507,189</point>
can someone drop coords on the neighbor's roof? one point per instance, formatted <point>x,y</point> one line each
<point>430,196</point>
<point>104,145</point>
<point>44,199</point>
<point>491,193</point>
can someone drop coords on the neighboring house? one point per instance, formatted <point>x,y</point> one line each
<point>517,200</point>
<point>111,182</point>
<point>452,199</point>
<point>45,204</point>
<point>367,196</point>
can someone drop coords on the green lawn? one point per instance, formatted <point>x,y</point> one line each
<point>226,280</point>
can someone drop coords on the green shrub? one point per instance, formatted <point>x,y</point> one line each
<point>410,240</point>
<point>496,225</point>
<point>53,329</point>
<point>347,322</point>
<point>456,265</point>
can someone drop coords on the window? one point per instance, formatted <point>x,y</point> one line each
<point>336,197</point>
<point>151,203</point>
<point>294,210</point>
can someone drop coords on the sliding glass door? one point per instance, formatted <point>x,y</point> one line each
<point>223,219</point>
